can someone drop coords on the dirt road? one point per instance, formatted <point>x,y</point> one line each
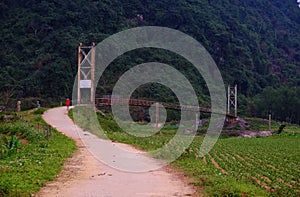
<point>84,175</point>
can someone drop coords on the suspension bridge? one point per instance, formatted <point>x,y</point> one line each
<point>86,69</point>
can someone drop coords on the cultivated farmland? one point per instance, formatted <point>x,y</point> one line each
<point>270,163</point>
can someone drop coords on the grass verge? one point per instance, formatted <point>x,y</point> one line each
<point>35,158</point>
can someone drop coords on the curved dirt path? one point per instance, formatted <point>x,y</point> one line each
<point>83,175</point>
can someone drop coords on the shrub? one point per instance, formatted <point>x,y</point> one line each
<point>281,127</point>
<point>40,111</point>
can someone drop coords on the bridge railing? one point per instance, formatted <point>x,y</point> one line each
<point>146,103</point>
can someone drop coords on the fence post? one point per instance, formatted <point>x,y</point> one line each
<point>18,106</point>
<point>270,119</point>
<point>157,117</point>
<point>50,131</point>
<point>196,121</point>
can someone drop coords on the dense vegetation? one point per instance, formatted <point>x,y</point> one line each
<point>254,43</point>
<point>29,155</point>
<point>262,166</point>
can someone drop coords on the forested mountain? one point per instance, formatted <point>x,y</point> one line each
<point>255,44</point>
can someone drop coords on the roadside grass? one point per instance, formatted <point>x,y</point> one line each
<point>263,124</point>
<point>262,166</point>
<point>33,159</point>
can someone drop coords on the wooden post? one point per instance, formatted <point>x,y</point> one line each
<point>196,121</point>
<point>93,73</point>
<point>228,100</point>
<point>79,73</point>
<point>270,119</point>
<point>18,106</point>
<point>235,100</point>
<point>50,131</point>
<point>156,117</point>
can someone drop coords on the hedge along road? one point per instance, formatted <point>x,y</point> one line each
<point>84,175</point>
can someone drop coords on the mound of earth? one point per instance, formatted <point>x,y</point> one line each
<point>241,123</point>
<point>247,133</point>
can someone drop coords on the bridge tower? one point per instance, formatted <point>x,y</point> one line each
<point>232,100</point>
<point>86,74</point>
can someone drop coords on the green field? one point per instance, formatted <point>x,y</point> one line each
<point>262,166</point>
<point>28,156</point>
<point>270,163</point>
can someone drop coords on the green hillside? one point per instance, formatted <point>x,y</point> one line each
<point>254,43</point>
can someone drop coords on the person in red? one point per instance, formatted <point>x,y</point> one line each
<point>68,103</point>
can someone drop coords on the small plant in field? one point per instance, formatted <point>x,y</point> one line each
<point>9,145</point>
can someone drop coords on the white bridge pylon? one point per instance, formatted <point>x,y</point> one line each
<point>86,73</point>
<point>232,100</point>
